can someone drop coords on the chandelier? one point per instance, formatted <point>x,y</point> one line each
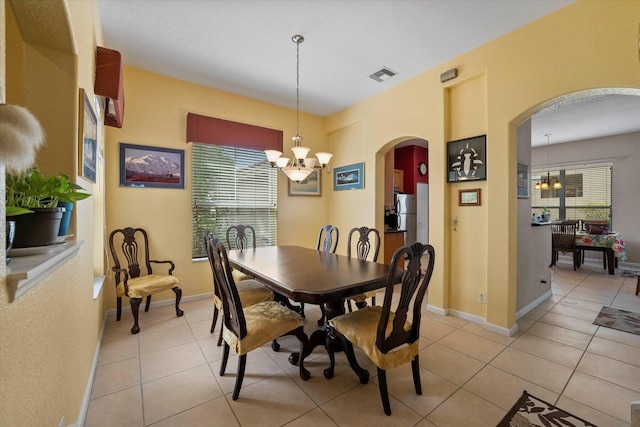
<point>548,182</point>
<point>299,167</point>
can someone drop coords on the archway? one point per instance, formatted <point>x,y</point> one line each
<point>533,261</point>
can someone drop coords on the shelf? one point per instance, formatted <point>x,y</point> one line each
<point>24,272</point>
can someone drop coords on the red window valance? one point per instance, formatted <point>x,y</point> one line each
<point>209,130</point>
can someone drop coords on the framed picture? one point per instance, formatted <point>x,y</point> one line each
<point>311,186</point>
<point>87,139</point>
<point>349,177</point>
<point>523,180</point>
<point>467,159</point>
<point>154,167</point>
<point>469,197</point>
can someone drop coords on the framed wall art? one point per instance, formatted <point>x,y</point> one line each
<point>310,186</point>
<point>467,159</point>
<point>154,167</point>
<point>523,180</point>
<point>469,197</point>
<point>87,139</point>
<point>349,177</point>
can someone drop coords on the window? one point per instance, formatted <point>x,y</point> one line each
<point>585,193</point>
<point>232,186</point>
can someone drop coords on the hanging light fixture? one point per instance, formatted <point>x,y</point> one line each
<point>548,182</point>
<point>299,167</point>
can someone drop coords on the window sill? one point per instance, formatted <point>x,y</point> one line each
<point>24,272</point>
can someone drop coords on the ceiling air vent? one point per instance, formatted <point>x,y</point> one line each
<point>383,74</point>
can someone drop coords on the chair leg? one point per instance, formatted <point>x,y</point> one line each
<point>322,318</point>
<point>135,306</point>
<point>330,345</point>
<point>215,318</point>
<point>373,300</point>
<point>384,393</point>
<point>225,358</point>
<point>363,374</point>
<point>219,343</point>
<point>349,305</point>
<point>242,362</point>
<point>147,304</point>
<point>415,367</point>
<point>118,308</point>
<point>304,344</point>
<point>178,293</point>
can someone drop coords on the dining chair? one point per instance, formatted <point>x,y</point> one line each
<point>249,327</point>
<point>364,246</point>
<point>328,236</point>
<point>238,238</point>
<point>563,239</point>
<point>134,276</point>
<point>388,335</point>
<point>250,291</point>
<point>594,227</point>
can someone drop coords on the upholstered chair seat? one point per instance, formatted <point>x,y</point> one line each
<point>361,327</point>
<point>143,286</point>
<point>266,321</point>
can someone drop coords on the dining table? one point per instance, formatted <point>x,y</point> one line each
<point>310,276</point>
<point>610,243</point>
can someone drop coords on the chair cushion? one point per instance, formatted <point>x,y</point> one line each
<point>361,327</point>
<point>363,297</point>
<point>142,286</point>
<point>265,321</point>
<point>239,276</point>
<point>251,292</point>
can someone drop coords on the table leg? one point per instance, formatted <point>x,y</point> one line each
<point>322,337</point>
<point>610,261</point>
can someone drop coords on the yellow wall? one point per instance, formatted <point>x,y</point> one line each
<point>155,115</point>
<point>583,46</point>
<point>48,336</point>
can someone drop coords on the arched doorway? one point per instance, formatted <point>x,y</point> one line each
<point>597,132</point>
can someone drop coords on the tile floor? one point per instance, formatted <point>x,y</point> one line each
<point>168,374</point>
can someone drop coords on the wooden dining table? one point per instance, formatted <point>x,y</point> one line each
<point>310,276</point>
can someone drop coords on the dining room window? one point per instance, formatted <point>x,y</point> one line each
<point>231,186</point>
<point>585,193</point>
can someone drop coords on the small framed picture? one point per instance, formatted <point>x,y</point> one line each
<point>469,197</point>
<point>467,159</point>
<point>349,177</point>
<point>143,166</point>
<point>87,139</point>
<point>523,180</point>
<point>310,186</point>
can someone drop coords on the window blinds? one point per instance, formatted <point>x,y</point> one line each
<point>232,186</point>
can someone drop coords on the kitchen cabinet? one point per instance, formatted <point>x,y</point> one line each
<point>398,180</point>
<point>392,241</point>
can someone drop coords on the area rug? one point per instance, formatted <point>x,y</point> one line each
<point>529,411</point>
<point>621,320</point>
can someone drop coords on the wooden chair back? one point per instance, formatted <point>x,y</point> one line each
<point>232,314</point>
<point>328,239</point>
<point>133,251</point>
<point>563,235</point>
<point>363,245</point>
<point>238,234</point>
<point>413,286</point>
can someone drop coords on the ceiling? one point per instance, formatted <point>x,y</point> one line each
<point>245,47</point>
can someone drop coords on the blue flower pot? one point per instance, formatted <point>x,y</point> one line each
<point>66,217</point>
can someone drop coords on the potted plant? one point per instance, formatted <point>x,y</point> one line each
<point>32,201</point>
<point>546,215</point>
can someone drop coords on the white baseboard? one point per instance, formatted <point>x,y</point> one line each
<point>508,332</point>
<point>533,304</point>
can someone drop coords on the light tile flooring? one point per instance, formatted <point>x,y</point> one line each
<point>168,374</point>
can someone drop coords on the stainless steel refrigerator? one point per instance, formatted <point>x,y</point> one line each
<point>406,209</point>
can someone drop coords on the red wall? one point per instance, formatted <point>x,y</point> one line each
<point>407,158</point>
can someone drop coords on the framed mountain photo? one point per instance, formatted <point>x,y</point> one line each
<point>143,166</point>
